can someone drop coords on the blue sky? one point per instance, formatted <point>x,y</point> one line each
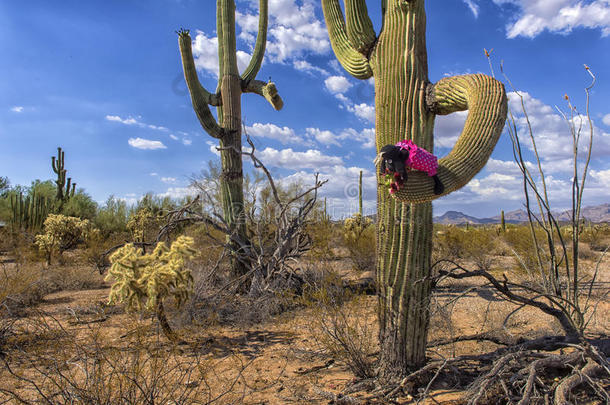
<point>103,80</point>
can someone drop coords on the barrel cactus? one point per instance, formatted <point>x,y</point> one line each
<point>406,103</point>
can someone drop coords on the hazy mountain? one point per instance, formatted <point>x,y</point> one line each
<point>598,213</point>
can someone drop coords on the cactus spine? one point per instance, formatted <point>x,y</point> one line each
<point>65,189</point>
<point>227,99</point>
<point>406,104</point>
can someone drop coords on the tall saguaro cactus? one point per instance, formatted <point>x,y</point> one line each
<point>227,99</point>
<point>64,191</point>
<point>405,106</point>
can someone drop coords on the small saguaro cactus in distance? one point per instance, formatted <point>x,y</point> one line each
<point>406,103</point>
<point>360,211</point>
<point>227,100</point>
<point>143,281</point>
<point>65,189</point>
<point>502,221</point>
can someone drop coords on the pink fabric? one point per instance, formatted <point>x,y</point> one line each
<point>419,158</point>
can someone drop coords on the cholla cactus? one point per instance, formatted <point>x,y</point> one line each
<point>359,238</point>
<point>61,233</point>
<point>143,281</point>
<point>139,222</point>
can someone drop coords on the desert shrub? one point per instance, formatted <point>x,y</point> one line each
<point>143,224</point>
<point>346,333</point>
<point>62,233</point>
<point>473,244</point>
<point>321,233</point>
<point>520,242</point>
<point>80,205</point>
<point>143,281</point>
<point>111,219</point>
<point>359,238</point>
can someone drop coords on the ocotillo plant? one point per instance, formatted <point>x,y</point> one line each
<point>227,99</point>
<point>63,188</point>
<point>406,104</point>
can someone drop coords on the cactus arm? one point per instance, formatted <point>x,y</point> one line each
<point>352,61</point>
<point>485,99</point>
<point>200,97</point>
<point>267,90</point>
<point>259,48</point>
<point>359,26</point>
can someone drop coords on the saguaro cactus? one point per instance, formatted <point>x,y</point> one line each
<point>227,99</point>
<point>63,188</point>
<point>406,104</point>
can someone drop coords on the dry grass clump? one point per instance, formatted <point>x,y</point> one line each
<point>57,367</point>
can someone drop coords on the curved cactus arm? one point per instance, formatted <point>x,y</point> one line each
<point>352,61</point>
<point>259,48</point>
<point>267,90</point>
<point>485,99</point>
<point>359,26</point>
<point>200,97</point>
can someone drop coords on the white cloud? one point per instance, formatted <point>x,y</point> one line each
<point>561,16</point>
<point>205,53</point>
<point>179,192</point>
<point>17,109</point>
<point>364,111</point>
<point>337,84</point>
<point>606,119</point>
<point>154,174</point>
<point>324,137</point>
<point>474,7</point>
<point>168,179</point>
<point>134,121</point>
<point>174,137</point>
<point>447,129</point>
<point>284,135</point>
<point>293,30</point>
<point>290,159</point>
<point>304,66</point>
<point>147,144</point>
<point>365,138</point>
<point>213,147</point>
<point>186,141</point>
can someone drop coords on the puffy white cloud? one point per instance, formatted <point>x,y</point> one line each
<point>205,53</point>
<point>290,159</point>
<point>174,137</point>
<point>447,129</point>
<point>284,135</point>
<point>337,84</point>
<point>168,180</point>
<point>560,16</point>
<point>364,111</point>
<point>17,109</point>
<point>606,119</point>
<point>365,138</point>
<point>186,141</point>
<point>322,136</point>
<point>146,144</point>
<point>293,30</point>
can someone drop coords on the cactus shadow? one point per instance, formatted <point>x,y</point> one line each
<point>249,343</point>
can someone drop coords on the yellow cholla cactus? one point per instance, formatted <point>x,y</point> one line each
<point>62,232</point>
<point>146,278</point>
<point>359,238</point>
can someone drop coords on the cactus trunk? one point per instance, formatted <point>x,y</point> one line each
<point>405,107</point>
<point>227,99</point>
<point>404,230</point>
<point>502,221</point>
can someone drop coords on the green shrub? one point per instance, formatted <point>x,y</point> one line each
<point>359,238</point>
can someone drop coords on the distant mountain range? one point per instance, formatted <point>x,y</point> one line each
<point>598,213</point>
